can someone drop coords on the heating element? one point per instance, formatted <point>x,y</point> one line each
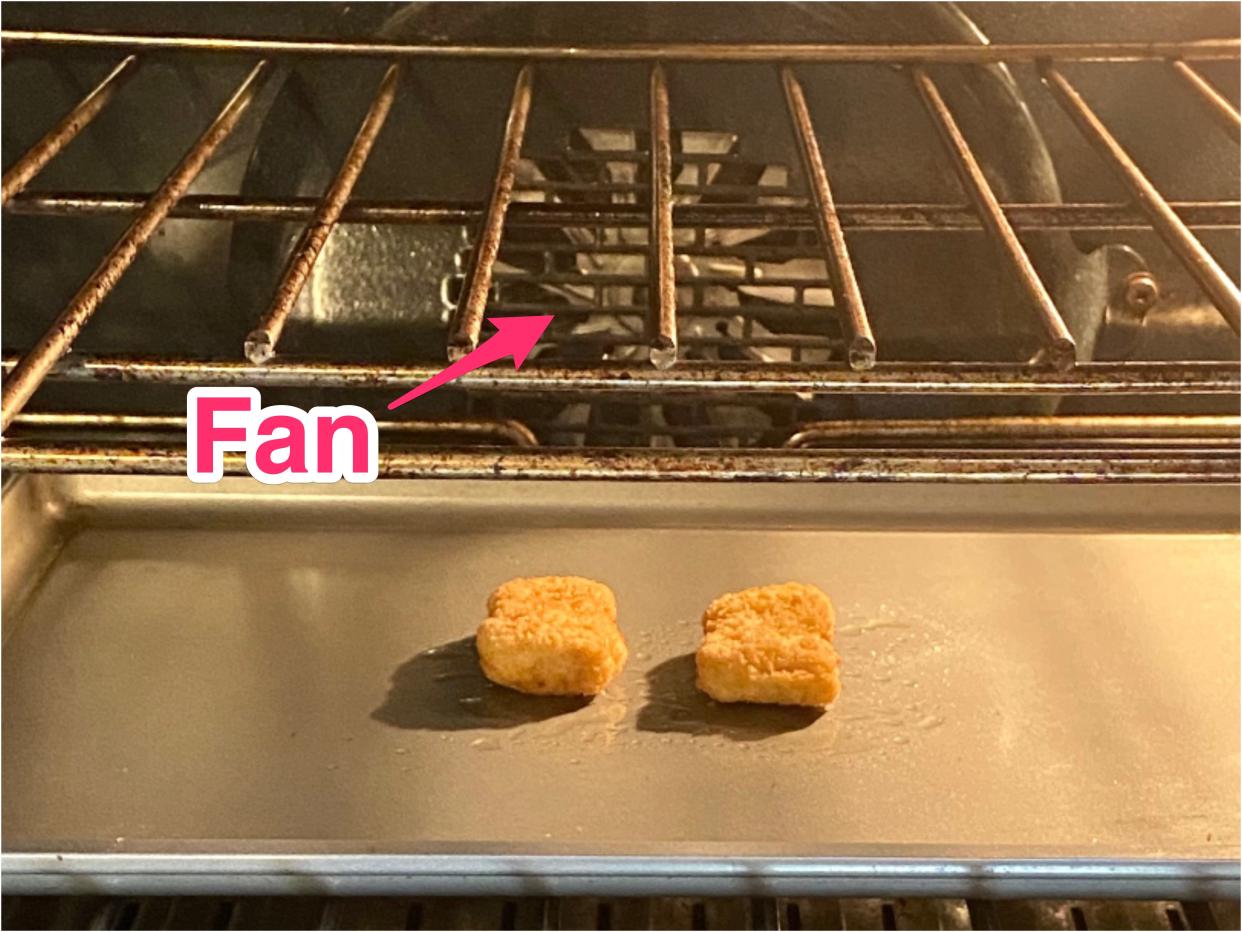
<point>692,287</point>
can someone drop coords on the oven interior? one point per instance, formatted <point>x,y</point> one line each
<point>963,278</point>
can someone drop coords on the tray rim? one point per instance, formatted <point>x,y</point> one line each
<point>484,872</point>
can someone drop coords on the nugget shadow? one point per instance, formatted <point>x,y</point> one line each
<point>443,689</point>
<point>674,704</point>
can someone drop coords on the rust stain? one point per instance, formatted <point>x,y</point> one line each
<point>805,466</point>
<point>468,318</point>
<point>327,214</point>
<point>34,367</point>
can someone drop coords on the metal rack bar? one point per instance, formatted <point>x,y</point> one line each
<point>686,464</point>
<point>508,430</point>
<point>260,345</point>
<point>66,130</point>
<point>912,217</point>
<point>661,275</point>
<point>847,297</point>
<point>1021,429</point>
<point>689,378</point>
<point>29,372</point>
<point>1059,344</point>
<point>468,318</point>
<point>1022,432</point>
<point>1198,261</point>
<point>1218,104</point>
<point>1198,49</point>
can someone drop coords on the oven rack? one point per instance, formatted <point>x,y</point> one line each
<point>672,230</point>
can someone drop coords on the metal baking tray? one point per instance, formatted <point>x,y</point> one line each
<point>235,688</point>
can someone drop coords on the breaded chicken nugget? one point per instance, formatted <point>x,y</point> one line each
<point>551,636</point>
<point>769,644</point>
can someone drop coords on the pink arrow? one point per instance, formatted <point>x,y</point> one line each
<point>514,336</point>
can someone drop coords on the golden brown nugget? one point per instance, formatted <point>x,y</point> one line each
<point>769,644</point>
<point>551,636</point>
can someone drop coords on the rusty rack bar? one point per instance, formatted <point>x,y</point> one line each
<point>1215,215</point>
<point>690,378</point>
<point>666,221</point>
<point>1218,105</point>
<point>1020,430</point>
<point>468,319</point>
<point>1059,344</point>
<point>662,287</point>
<point>1202,49</point>
<point>32,368</point>
<point>775,465</point>
<point>1012,432</point>
<point>1198,261</point>
<point>506,430</point>
<point>861,350</point>
<point>64,132</point>
<point>260,345</point>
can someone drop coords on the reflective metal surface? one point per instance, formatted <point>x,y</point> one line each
<point>220,688</point>
<point>1206,49</point>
